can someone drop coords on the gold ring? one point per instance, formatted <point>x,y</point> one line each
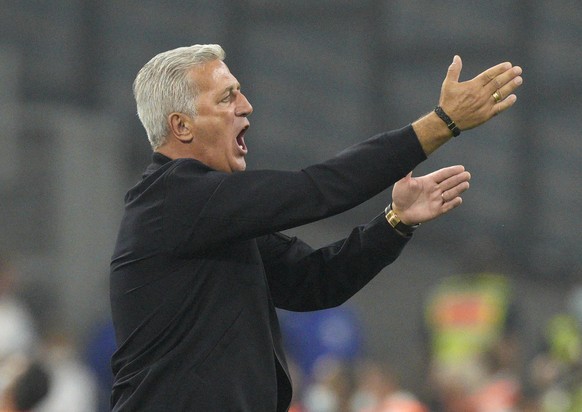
<point>497,96</point>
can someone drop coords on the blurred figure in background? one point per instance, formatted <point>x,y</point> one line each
<point>18,334</point>
<point>97,354</point>
<point>472,336</point>
<point>556,372</point>
<point>73,385</point>
<point>72,388</point>
<point>330,387</point>
<point>309,336</point>
<point>28,387</point>
<point>377,390</point>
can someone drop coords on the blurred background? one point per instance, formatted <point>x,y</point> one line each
<point>321,75</point>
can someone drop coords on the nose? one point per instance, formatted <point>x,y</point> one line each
<point>244,107</point>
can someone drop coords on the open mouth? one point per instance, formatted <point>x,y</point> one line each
<point>240,140</point>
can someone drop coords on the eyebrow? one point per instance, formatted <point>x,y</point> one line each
<point>229,89</point>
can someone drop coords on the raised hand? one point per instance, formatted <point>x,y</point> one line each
<point>475,101</point>
<point>468,104</point>
<point>420,199</point>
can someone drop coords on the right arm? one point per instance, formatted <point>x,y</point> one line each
<point>211,208</point>
<point>245,205</point>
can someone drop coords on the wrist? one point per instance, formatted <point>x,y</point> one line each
<point>431,132</point>
<point>397,224</point>
<point>451,125</point>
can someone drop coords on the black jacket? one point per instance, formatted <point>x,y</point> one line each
<point>199,267</point>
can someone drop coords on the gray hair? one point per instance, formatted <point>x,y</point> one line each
<point>163,86</point>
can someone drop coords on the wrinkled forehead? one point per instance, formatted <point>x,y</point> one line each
<point>212,75</point>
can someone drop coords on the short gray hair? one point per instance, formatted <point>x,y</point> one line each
<point>163,86</point>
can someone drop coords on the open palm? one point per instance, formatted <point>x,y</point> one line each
<point>420,199</point>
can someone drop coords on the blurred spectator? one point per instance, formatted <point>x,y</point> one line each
<point>297,379</point>
<point>500,390</point>
<point>73,385</point>
<point>400,402</point>
<point>17,330</point>
<point>472,328</point>
<point>373,383</point>
<point>556,372</point>
<point>98,352</point>
<point>331,333</point>
<point>330,389</point>
<point>313,342</point>
<point>29,385</point>
<point>377,390</point>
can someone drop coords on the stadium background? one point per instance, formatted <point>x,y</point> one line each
<point>321,75</point>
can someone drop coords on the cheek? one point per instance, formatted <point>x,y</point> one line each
<point>219,125</point>
<point>208,129</point>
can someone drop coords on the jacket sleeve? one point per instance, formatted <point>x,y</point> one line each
<point>302,279</point>
<point>214,208</point>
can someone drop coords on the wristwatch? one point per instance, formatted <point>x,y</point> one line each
<point>396,223</point>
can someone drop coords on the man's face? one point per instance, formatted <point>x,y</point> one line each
<point>218,128</point>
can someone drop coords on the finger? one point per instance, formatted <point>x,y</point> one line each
<point>509,80</point>
<point>452,204</point>
<point>507,89</point>
<point>455,180</point>
<point>446,172</point>
<point>455,191</point>
<point>454,70</point>
<point>491,73</point>
<point>504,104</point>
<point>453,186</point>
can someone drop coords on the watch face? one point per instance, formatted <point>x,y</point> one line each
<point>393,218</point>
<point>396,223</point>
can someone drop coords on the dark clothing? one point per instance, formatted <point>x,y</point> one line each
<point>199,268</point>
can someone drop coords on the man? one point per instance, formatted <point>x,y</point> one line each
<point>199,265</point>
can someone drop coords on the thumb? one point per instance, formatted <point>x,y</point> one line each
<point>454,71</point>
<point>402,183</point>
<point>407,177</point>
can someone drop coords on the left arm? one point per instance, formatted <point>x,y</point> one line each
<point>302,279</point>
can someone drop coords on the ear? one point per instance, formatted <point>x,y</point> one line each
<point>180,127</point>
